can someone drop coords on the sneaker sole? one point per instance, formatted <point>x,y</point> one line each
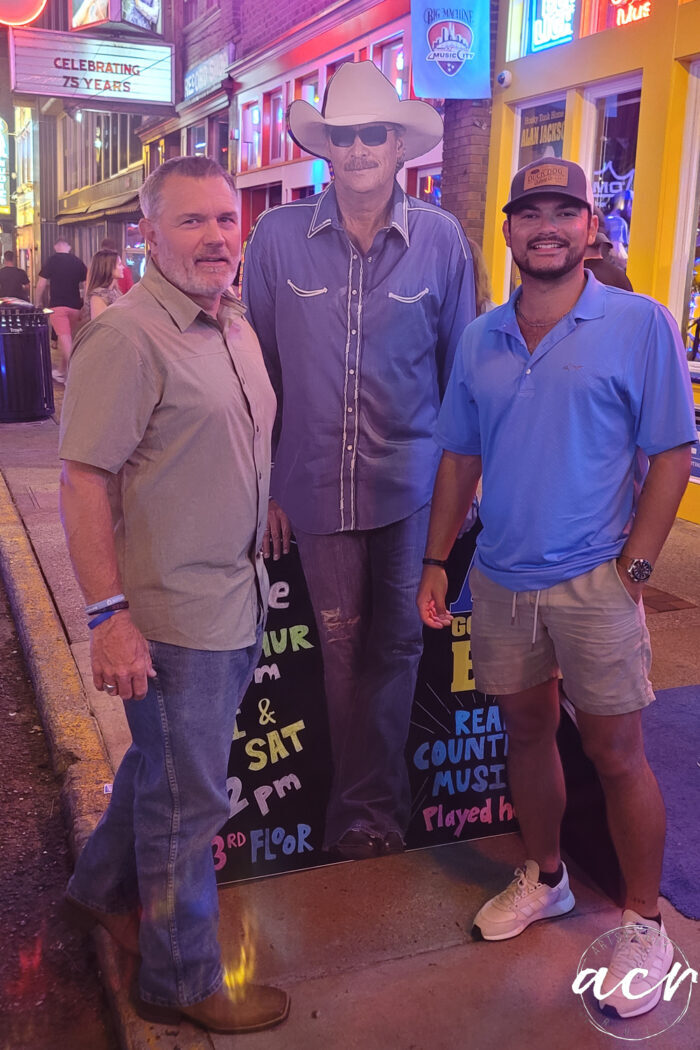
<point>555,912</point>
<point>611,1011</point>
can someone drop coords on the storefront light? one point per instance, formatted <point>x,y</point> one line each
<point>399,61</point>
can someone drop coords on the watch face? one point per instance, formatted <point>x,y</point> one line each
<point>639,570</point>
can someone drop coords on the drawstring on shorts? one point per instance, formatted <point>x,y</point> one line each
<point>534,621</point>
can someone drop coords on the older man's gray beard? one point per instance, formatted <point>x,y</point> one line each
<point>192,282</point>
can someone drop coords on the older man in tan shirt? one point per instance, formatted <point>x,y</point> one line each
<point>165,438</point>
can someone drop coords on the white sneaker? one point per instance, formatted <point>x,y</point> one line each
<point>526,900</point>
<point>643,946</point>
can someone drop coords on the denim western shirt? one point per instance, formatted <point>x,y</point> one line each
<point>359,349</point>
<point>565,433</point>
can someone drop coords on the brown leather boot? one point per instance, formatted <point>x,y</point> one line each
<point>252,1009</point>
<point>123,927</point>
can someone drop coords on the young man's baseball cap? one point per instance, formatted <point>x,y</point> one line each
<point>550,175</point>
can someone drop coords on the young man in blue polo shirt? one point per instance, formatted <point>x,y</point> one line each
<point>564,397</point>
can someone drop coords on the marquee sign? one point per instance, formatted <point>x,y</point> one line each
<point>90,69</point>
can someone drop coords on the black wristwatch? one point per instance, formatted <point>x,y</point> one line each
<point>639,569</point>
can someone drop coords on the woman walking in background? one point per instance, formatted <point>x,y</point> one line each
<point>105,270</point>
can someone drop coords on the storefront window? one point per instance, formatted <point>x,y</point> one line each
<point>536,25</point>
<point>197,141</point>
<point>693,294</point>
<point>392,63</point>
<point>617,125</point>
<point>251,137</point>
<point>220,139</point>
<point>430,186</point>
<point>542,131</point>
<point>277,128</point>
<point>308,89</point>
<point>135,251</point>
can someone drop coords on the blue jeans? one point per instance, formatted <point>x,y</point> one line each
<point>363,588</point>
<point>153,843</point>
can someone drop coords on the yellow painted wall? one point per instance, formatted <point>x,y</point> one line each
<point>661,49</point>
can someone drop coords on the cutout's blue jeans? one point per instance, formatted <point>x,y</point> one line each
<point>363,588</point>
<point>153,843</point>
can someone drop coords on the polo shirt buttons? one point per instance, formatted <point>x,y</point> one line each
<point>353,331</point>
<point>259,475</point>
<point>349,448</point>
<point>527,371</point>
<point>354,291</point>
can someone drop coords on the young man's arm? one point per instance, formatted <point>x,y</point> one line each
<point>656,510</point>
<point>455,488</point>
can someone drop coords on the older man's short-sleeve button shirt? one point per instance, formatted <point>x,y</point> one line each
<point>179,409</point>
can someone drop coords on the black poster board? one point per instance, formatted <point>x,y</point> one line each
<point>280,766</point>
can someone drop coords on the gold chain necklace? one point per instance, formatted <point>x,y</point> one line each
<point>537,324</point>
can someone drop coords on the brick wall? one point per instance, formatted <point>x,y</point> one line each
<point>209,33</point>
<point>263,21</point>
<point>466,153</point>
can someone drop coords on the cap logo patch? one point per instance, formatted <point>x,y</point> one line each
<point>546,175</point>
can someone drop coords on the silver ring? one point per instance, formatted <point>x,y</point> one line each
<point>110,688</point>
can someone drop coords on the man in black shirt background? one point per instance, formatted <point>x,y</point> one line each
<point>14,283</point>
<point>63,273</point>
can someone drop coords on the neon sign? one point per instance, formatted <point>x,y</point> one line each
<point>5,207</point>
<point>552,23</point>
<point>622,12</point>
<point>20,12</point>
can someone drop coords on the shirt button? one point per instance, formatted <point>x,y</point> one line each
<point>353,331</point>
<point>527,371</point>
<point>354,291</point>
<point>260,475</point>
<point>350,408</point>
<point>349,448</point>
<point>257,429</point>
<point>369,258</point>
<point>355,257</point>
<point>351,371</point>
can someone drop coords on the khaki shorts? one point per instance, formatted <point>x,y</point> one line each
<point>588,628</point>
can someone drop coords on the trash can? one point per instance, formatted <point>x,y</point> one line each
<point>26,389</point>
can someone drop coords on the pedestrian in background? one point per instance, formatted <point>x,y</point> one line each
<point>14,283</point>
<point>482,282</point>
<point>126,281</point>
<point>102,286</point>
<point>604,269</point>
<point>568,539</point>
<point>62,274</point>
<point>359,296</point>
<point>168,393</point>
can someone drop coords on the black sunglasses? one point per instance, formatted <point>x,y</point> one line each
<point>370,135</point>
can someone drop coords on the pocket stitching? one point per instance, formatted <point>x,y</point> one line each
<point>303,293</point>
<point>408,298</point>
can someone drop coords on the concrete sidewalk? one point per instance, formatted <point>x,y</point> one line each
<point>377,955</point>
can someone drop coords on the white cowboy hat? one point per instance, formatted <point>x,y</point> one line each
<point>360,94</point>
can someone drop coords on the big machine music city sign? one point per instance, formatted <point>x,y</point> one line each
<point>64,65</point>
<point>451,50</point>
